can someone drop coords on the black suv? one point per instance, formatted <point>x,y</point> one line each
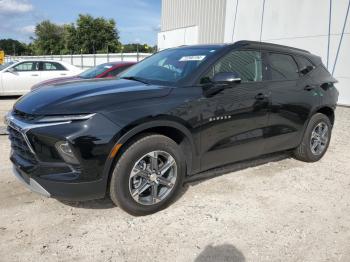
<point>175,114</point>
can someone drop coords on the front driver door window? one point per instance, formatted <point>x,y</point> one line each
<point>234,119</point>
<point>23,77</point>
<point>248,64</point>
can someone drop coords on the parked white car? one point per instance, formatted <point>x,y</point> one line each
<point>19,77</point>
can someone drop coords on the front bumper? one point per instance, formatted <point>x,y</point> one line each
<point>40,168</point>
<point>30,183</point>
<point>60,189</point>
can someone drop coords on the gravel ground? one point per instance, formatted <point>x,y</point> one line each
<point>271,209</point>
<point>5,106</point>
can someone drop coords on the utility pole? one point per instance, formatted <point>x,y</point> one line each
<point>81,59</point>
<point>107,54</point>
<point>137,50</point>
<point>93,50</point>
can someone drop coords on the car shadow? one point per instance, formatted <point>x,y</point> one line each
<point>107,203</point>
<point>220,253</point>
<point>226,169</point>
<point>103,203</point>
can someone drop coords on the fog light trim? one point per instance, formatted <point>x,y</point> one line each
<point>66,152</point>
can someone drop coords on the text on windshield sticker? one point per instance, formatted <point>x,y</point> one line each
<point>192,58</point>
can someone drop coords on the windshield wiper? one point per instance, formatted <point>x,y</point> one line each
<point>135,78</point>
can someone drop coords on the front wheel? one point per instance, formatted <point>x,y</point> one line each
<point>316,139</point>
<point>148,175</point>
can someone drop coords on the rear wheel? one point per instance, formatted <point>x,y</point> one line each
<point>316,139</point>
<point>148,175</point>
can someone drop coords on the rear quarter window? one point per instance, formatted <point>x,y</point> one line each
<point>305,65</point>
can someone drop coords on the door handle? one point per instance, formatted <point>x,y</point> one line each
<point>261,96</point>
<point>309,88</point>
<point>34,75</point>
<point>63,74</point>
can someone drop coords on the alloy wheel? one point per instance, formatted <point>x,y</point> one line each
<point>319,138</point>
<point>153,177</point>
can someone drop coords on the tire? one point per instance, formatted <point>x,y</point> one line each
<point>304,151</point>
<point>132,174</point>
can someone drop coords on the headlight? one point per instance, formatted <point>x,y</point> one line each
<point>64,118</point>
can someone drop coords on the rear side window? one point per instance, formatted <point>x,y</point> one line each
<point>305,66</point>
<point>51,66</point>
<point>283,67</point>
<point>247,64</point>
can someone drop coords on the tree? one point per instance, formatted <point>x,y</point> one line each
<point>96,34</point>
<point>142,48</point>
<point>13,47</point>
<point>86,35</point>
<point>70,39</point>
<point>49,38</point>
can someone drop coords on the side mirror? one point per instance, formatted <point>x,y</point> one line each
<point>220,82</point>
<point>226,78</point>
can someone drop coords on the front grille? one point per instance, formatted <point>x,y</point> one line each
<point>23,116</point>
<point>20,147</point>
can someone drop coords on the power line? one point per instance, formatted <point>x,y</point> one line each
<point>341,38</point>
<point>329,30</point>
<point>234,22</point>
<point>262,19</point>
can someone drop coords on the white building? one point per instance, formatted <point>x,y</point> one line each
<point>320,26</point>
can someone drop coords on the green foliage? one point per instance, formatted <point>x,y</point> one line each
<point>49,38</point>
<point>142,48</point>
<point>96,35</point>
<point>87,35</point>
<point>70,39</point>
<point>13,47</point>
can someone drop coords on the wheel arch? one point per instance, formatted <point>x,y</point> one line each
<point>172,129</point>
<point>177,132</point>
<point>328,111</point>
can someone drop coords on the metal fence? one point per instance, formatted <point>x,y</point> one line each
<point>85,61</point>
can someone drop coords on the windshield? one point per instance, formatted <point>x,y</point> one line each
<point>95,71</point>
<point>6,65</point>
<point>169,66</point>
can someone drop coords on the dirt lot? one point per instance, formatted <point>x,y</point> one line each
<point>5,106</point>
<point>271,209</point>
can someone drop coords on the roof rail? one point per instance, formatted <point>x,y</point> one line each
<point>247,42</point>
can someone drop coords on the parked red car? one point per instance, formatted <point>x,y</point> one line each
<point>105,70</point>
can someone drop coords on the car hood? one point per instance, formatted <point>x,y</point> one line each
<point>89,96</point>
<point>56,81</point>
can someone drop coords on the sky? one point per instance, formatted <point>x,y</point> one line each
<point>137,20</point>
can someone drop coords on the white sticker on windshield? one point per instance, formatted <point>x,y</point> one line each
<point>192,58</point>
<point>107,66</point>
